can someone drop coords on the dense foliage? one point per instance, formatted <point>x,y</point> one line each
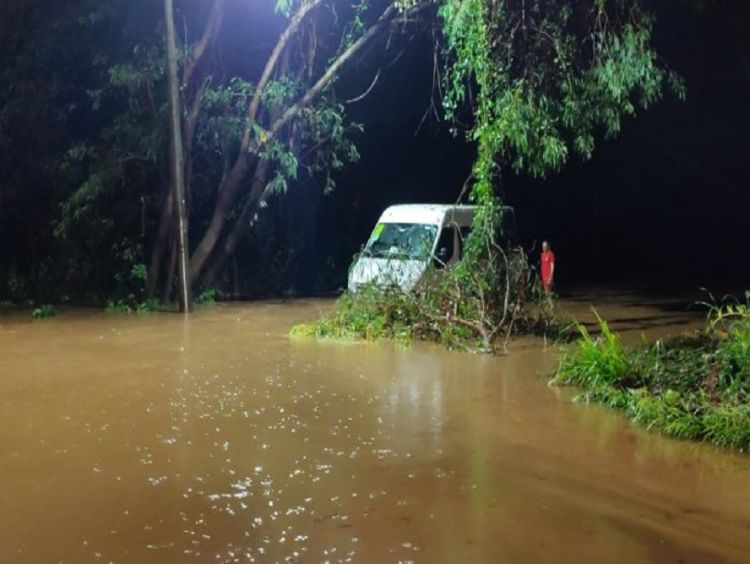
<point>439,310</point>
<point>694,386</point>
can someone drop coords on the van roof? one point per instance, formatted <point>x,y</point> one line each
<point>422,213</point>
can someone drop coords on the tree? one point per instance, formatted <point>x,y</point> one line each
<point>286,107</point>
<point>549,75</point>
<point>540,79</point>
<point>186,95</point>
<point>261,143</point>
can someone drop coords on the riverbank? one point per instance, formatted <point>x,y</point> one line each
<point>694,386</point>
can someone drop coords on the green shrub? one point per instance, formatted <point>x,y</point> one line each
<point>669,413</point>
<point>149,305</point>
<point>139,271</point>
<point>370,313</point>
<point>595,361</point>
<point>44,311</point>
<point>206,297</point>
<point>731,310</point>
<point>119,306</point>
<point>734,353</point>
<point>131,305</point>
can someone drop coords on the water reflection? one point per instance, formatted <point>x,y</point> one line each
<point>416,396</point>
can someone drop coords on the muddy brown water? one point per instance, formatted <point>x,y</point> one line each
<point>151,439</point>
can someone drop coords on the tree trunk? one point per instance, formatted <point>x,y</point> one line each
<point>160,245</point>
<point>171,269</point>
<point>227,197</point>
<point>176,157</point>
<point>229,193</point>
<point>226,250</point>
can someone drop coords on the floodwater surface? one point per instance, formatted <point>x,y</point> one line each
<point>153,439</point>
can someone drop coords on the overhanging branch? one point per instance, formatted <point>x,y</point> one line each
<point>331,72</point>
<point>209,32</point>
<point>273,59</point>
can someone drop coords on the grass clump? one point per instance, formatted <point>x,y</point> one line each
<point>695,386</point>
<point>598,361</point>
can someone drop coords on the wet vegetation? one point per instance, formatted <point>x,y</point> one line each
<point>694,386</point>
<point>131,306</point>
<point>475,305</point>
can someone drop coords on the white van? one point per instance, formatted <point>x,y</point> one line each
<point>407,240</point>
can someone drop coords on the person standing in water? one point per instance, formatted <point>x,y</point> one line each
<point>547,269</point>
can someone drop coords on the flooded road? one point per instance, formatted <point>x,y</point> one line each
<point>148,439</point>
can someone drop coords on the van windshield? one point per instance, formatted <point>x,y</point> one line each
<point>412,241</point>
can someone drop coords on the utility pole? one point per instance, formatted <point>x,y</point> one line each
<point>176,156</point>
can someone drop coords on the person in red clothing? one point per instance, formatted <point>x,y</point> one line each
<point>547,269</point>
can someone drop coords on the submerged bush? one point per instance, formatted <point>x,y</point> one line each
<point>459,307</point>
<point>206,297</point>
<point>370,313</point>
<point>695,387</point>
<point>44,311</point>
<point>148,305</point>
<point>131,305</point>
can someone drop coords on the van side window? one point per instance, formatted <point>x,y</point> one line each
<point>446,247</point>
